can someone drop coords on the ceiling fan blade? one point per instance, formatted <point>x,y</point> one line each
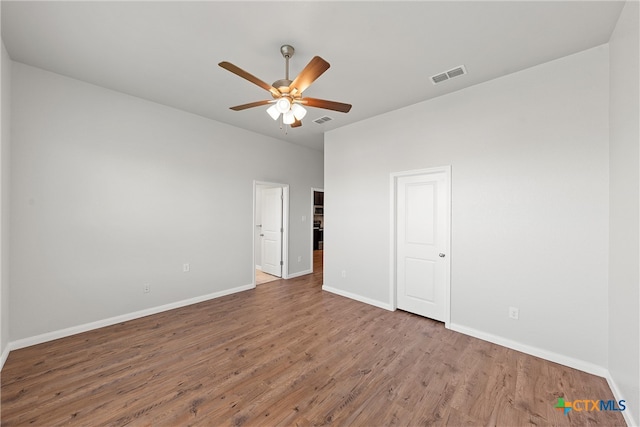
<point>327,105</point>
<point>309,74</point>
<point>247,76</point>
<point>296,124</point>
<point>250,105</point>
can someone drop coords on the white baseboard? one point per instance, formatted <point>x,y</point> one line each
<point>4,356</point>
<point>617,395</point>
<point>357,297</point>
<point>299,273</point>
<point>50,336</point>
<point>571,362</point>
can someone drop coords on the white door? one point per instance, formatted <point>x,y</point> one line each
<point>422,242</point>
<point>272,231</point>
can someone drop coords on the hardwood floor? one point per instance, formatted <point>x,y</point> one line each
<point>262,277</point>
<point>287,353</point>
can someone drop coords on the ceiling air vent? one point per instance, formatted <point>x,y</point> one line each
<point>322,120</point>
<point>454,72</point>
<point>439,78</point>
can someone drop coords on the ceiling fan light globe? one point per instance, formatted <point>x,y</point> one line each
<point>283,105</point>
<point>288,118</point>
<point>273,112</point>
<point>298,111</point>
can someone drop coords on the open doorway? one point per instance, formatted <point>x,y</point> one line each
<point>270,237</point>
<point>317,229</point>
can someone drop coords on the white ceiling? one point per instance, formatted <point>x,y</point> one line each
<point>382,53</point>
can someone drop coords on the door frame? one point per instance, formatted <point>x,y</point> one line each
<point>285,227</point>
<point>393,179</point>
<point>311,218</point>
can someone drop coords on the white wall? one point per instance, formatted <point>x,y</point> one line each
<point>624,240</point>
<point>529,157</point>
<point>5,135</point>
<point>110,192</point>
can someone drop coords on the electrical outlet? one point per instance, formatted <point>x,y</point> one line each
<point>299,258</point>
<point>186,268</point>
<point>514,313</point>
<point>146,288</point>
<point>344,273</point>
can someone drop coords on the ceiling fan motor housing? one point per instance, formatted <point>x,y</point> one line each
<point>282,85</point>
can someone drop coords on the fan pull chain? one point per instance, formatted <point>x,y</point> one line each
<point>283,126</point>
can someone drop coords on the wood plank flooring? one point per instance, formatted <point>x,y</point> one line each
<point>262,277</point>
<point>288,354</point>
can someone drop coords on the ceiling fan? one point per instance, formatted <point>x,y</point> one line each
<point>287,94</point>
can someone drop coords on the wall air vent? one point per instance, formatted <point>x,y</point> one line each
<point>322,120</point>
<point>454,72</point>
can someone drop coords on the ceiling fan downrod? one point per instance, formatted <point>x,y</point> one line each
<point>287,51</point>
<point>283,85</point>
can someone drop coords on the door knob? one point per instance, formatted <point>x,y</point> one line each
<point>441,255</point>
<point>262,235</point>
